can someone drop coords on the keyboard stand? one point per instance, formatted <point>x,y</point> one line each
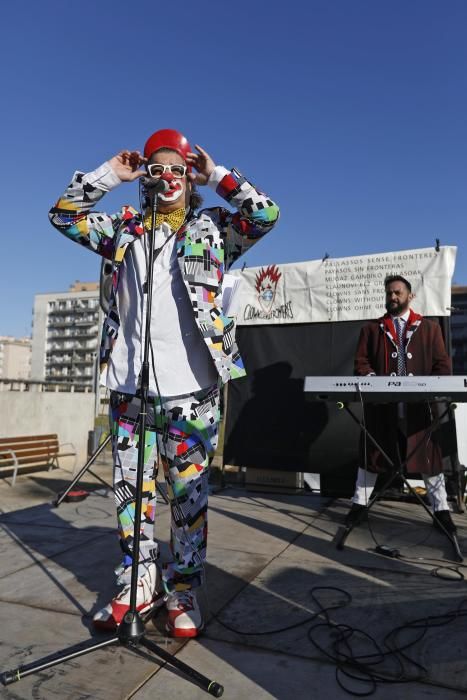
<point>397,471</point>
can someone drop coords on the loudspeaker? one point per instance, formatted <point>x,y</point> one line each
<point>105,285</point>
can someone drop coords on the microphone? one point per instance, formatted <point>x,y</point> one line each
<point>155,186</point>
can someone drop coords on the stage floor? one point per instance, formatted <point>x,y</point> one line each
<point>269,554</point>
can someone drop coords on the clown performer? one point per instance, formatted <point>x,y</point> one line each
<point>192,349</point>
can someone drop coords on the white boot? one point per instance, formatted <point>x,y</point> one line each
<point>149,596</point>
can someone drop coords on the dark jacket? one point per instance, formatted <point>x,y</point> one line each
<point>425,354</point>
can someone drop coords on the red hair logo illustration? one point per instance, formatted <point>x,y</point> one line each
<point>266,284</point>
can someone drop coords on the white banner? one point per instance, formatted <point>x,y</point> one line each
<point>342,289</point>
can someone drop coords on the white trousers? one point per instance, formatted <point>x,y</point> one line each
<point>435,487</point>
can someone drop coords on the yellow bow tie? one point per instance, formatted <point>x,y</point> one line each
<point>174,218</point>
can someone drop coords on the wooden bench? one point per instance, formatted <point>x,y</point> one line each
<point>29,451</point>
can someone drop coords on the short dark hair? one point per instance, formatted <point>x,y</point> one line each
<point>196,199</point>
<point>397,278</point>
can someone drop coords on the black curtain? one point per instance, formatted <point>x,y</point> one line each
<point>270,423</point>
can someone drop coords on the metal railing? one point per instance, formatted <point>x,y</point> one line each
<point>39,386</point>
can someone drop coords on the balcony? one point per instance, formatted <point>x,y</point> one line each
<point>73,333</point>
<point>71,320</point>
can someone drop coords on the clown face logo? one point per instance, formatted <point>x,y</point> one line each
<point>266,284</point>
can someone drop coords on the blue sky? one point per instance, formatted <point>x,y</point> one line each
<point>351,114</point>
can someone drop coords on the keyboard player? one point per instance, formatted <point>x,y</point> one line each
<point>401,343</point>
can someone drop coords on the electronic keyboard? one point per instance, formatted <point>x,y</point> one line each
<point>387,389</point>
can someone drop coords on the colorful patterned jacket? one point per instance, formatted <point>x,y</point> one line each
<point>207,245</point>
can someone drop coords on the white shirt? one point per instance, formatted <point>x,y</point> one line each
<point>404,318</point>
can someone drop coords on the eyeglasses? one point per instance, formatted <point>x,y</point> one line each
<point>155,170</point>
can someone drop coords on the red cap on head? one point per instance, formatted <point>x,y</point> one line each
<point>167,138</point>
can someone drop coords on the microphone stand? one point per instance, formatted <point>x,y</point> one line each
<point>131,631</point>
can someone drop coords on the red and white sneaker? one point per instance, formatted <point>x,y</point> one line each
<point>184,615</point>
<point>149,596</point>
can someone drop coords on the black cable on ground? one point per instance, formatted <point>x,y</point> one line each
<point>382,663</point>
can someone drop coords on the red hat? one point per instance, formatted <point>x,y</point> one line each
<point>167,138</point>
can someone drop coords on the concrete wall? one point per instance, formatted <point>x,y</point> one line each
<point>70,415</point>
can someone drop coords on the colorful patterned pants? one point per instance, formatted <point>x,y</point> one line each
<point>183,430</point>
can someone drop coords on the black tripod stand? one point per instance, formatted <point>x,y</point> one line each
<point>131,631</point>
<point>396,472</point>
<point>62,496</point>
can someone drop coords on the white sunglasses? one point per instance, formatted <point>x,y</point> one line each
<point>156,170</point>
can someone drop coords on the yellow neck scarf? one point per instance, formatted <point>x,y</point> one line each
<point>174,218</point>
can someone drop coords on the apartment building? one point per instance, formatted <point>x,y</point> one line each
<point>15,358</point>
<point>66,327</point>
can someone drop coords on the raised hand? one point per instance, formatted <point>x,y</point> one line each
<point>203,163</point>
<point>126,163</point>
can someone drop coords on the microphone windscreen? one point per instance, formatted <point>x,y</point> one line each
<point>155,185</point>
